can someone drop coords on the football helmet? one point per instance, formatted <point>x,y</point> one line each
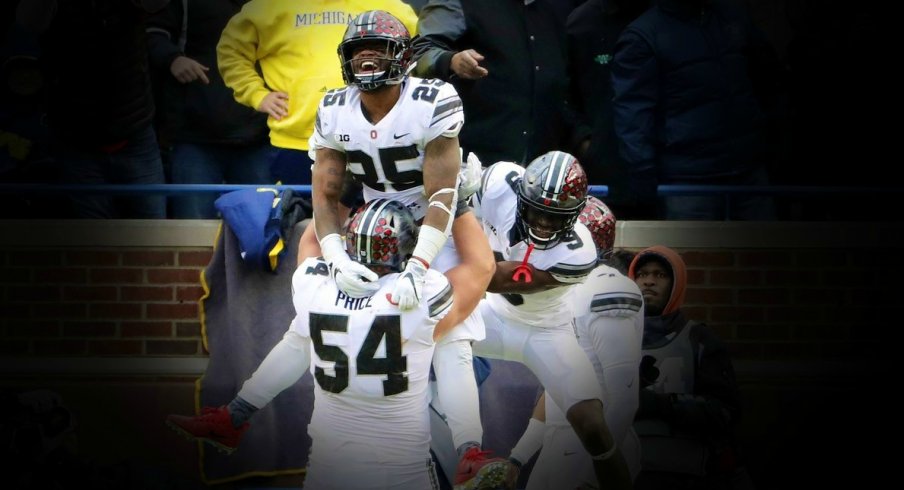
<point>600,220</point>
<point>383,32</point>
<point>381,235</point>
<point>551,194</point>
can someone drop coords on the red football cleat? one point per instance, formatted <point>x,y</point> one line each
<point>478,472</point>
<point>213,426</point>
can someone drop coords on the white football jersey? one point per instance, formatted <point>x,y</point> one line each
<point>371,365</point>
<point>569,261</point>
<point>388,157</point>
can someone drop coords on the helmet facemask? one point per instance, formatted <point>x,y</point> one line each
<point>545,226</point>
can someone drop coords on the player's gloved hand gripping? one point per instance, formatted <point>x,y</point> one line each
<point>352,278</point>
<point>469,177</point>
<point>410,284</point>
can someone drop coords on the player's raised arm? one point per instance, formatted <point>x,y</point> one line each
<point>328,175</point>
<point>441,165</point>
<point>472,275</point>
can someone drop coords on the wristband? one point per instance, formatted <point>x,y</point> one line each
<point>332,249</point>
<point>606,455</point>
<point>422,261</point>
<point>429,242</point>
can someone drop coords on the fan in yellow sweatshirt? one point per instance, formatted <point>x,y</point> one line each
<point>295,44</point>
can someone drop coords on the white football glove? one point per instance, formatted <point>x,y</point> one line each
<point>409,285</point>
<point>352,278</point>
<point>469,177</point>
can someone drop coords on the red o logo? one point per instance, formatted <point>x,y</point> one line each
<point>373,134</point>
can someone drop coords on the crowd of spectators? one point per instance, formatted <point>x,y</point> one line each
<point>136,92</point>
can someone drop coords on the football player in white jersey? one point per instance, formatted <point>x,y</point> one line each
<point>529,215</point>
<point>609,324</point>
<point>397,136</point>
<point>370,360</point>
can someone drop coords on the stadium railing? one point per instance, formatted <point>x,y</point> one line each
<point>878,195</point>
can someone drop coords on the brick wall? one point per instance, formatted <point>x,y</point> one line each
<point>784,303</point>
<point>105,313</point>
<point>98,293</point>
<point>101,301</point>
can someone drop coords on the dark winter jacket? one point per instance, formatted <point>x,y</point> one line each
<point>95,55</point>
<point>516,112</point>
<point>685,108</point>
<point>593,29</point>
<point>195,112</point>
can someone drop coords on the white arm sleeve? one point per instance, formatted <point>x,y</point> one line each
<point>283,366</point>
<point>613,344</point>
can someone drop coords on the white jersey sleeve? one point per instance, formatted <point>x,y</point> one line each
<point>447,117</point>
<point>312,275</point>
<point>325,134</point>
<point>609,323</point>
<point>496,202</point>
<point>438,292</point>
<point>608,292</point>
<point>436,304</point>
<point>574,259</point>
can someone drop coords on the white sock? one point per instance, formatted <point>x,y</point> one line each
<point>530,441</point>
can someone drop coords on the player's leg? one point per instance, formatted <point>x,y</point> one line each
<point>476,469</point>
<point>457,391</point>
<point>615,356</point>
<point>453,367</point>
<point>554,356</point>
<point>457,388</point>
<point>563,462</point>
<point>442,449</point>
<point>224,426</point>
<point>531,441</point>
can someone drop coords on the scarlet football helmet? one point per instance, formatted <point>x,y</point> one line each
<point>381,235</point>
<point>600,220</point>
<point>551,194</point>
<point>384,32</point>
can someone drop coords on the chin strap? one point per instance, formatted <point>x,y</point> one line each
<point>523,270</point>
